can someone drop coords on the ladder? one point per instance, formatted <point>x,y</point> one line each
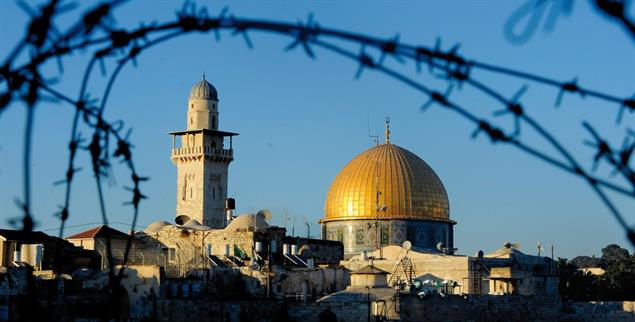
<point>405,268</point>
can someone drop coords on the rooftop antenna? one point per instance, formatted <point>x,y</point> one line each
<point>540,248</point>
<point>552,247</point>
<point>286,217</point>
<point>375,138</point>
<point>292,218</point>
<point>379,207</point>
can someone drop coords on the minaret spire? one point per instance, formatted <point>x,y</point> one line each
<point>387,130</point>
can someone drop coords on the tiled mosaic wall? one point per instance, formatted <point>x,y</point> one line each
<point>360,235</point>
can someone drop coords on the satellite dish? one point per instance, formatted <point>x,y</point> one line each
<point>507,244</point>
<point>181,219</point>
<point>440,246</point>
<point>479,254</point>
<point>407,245</point>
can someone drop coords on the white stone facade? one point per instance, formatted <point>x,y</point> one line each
<point>202,161</point>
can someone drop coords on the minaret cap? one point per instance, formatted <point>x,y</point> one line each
<point>387,130</point>
<point>204,90</point>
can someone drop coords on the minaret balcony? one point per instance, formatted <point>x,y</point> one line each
<point>203,151</point>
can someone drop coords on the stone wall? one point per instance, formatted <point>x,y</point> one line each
<point>321,251</point>
<point>309,284</point>
<point>480,307</point>
<point>195,310</point>
<point>599,311</point>
<point>407,307</point>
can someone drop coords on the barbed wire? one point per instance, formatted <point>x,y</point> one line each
<point>95,32</point>
<point>526,19</point>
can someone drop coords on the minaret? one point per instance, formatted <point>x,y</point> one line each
<point>202,160</point>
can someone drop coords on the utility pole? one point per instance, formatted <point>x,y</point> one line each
<point>286,217</point>
<point>552,247</point>
<point>368,301</point>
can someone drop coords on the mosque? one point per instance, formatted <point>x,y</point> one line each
<point>382,199</point>
<point>387,243</point>
<point>386,212</point>
<point>384,196</point>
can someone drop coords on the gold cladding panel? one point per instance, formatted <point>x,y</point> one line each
<point>409,188</point>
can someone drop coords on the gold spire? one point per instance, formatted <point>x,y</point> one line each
<point>387,130</point>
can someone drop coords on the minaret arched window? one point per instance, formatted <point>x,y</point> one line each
<point>213,122</point>
<point>184,190</point>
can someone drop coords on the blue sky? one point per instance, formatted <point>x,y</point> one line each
<point>300,121</point>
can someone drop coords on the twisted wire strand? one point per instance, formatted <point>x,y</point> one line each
<point>24,83</point>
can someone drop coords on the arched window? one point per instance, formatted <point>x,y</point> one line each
<point>214,122</point>
<point>184,191</point>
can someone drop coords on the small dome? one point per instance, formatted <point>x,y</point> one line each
<point>194,225</point>
<point>247,221</point>
<point>203,90</point>
<point>154,227</point>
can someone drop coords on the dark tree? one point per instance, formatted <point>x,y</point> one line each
<point>616,284</point>
<point>614,252</point>
<point>587,262</point>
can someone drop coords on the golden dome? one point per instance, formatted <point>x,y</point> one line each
<point>387,182</point>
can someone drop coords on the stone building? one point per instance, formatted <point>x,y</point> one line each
<point>202,160</point>
<point>506,271</point>
<point>41,252</point>
<point>248,241</point>
<point>385,196</point>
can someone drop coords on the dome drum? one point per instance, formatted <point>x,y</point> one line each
<point>365,235</point>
